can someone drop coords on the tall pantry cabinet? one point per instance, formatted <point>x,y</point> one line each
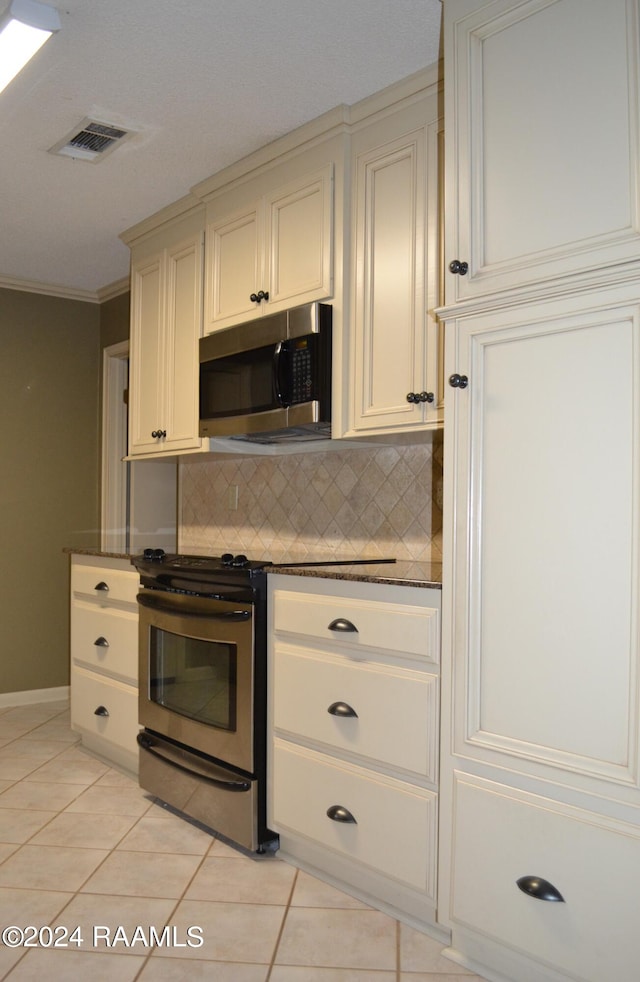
<point>540,777</point>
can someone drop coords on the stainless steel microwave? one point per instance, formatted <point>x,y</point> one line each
<point>269,380</point>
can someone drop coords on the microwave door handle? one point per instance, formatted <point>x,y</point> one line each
<point>279,353</point>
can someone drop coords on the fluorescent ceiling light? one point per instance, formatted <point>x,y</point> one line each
<point>23,30</point>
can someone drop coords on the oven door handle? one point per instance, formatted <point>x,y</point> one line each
<point>146,743</point>
<point>154,603</point>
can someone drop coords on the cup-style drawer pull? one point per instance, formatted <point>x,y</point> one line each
<point>339,814</point>
<point>541,889</point>
<point>342,624</point>
<point>102,586</point>
<point>101,711</point>
<point>342,709</point>
<point>101,642</point>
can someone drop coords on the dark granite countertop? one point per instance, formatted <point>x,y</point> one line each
<point>400,573</point>
<point>98,553</point>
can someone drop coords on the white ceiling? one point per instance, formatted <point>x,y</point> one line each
<point>204,81</point>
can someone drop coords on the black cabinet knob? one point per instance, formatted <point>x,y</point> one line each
<point>425,397</point>
<point>461,268</point>
<point>259,296</point>
<point>158,434</point>
<point>412,397</point>
<point>101,642</point>
<point>101,711</point>
<point>104,587</point>
<point>540,889</point>
<point>458,381</point>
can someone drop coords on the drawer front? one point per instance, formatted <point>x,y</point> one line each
<point>398,628</point>
<point>396,721</point>
<point>395,828</point>
<point>502,836</point>
<point>119,726</point>
<point>105,585</point>
<point>105,640</point>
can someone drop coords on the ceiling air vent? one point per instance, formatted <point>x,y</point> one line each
<point>91,140</point>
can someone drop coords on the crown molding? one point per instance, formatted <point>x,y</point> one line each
<point>48,289</point>
<point>113,290</point>
<point>66,292</point>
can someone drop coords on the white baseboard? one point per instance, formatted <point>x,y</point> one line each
<point>31,696</point>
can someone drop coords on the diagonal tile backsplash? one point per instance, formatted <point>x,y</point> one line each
<point>359,503</point>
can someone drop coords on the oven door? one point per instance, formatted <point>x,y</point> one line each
<point>197,673</point>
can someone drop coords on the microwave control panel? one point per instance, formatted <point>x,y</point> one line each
<point>302,370</point>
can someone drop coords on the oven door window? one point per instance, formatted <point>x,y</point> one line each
<point>194,678</point>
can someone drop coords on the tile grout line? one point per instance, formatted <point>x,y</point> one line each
<point>282,925</point>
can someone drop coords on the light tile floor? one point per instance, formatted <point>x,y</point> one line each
<point>90,865</point>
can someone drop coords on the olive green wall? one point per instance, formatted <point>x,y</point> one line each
<point>49,492</point>
<point>114,320</point>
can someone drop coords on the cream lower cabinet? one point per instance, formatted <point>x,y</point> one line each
<point>166,324</point>
<point>395,379</point>
<point>104,657</point>
<point>354,709</point>
<point>540,788</point>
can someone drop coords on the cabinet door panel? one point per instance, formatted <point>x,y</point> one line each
<point>184,322</point>
<point>390,276</point>
<point>502,836</point>
<point>396,711</point>
<point>541,122</point>
<point>547,508</point>
<point>396,823</point>
<point>299,250</point>
<point>147,313</point>
<point>233,268</point>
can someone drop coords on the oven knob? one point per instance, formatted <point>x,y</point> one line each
<point>239,560</point>
<point>226,558</point>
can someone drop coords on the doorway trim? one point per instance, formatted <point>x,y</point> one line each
<point>115,470</point>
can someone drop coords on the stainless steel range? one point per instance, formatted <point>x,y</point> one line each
<point>202,698</point>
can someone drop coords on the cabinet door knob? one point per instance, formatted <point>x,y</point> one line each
<point>541,889</point>
<point>342,709</point>
<point>412,397</point>
<point>259,296</point>
<point>102,586</point>
<point>101,711</point>
<point>342,624</point>
<point>158,434</point>
<point>337,813</point>
<point>425,396</point>
<point>458,381</point>
<point>461,268</point>
<point>101,642</point>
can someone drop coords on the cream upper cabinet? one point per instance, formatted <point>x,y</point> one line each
<point>393,375</point>
<point>271,252</point>
<point>541,122</point>
<point>166,323</point>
